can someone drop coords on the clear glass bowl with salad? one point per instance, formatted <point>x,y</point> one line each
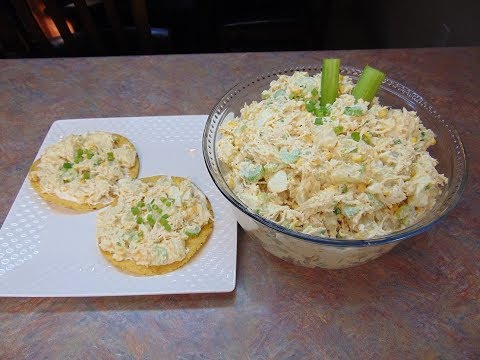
<point>332,168</point>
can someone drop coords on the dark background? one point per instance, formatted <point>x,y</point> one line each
<point>190,26</point>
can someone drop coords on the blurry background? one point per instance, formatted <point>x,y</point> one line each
<point>53,28</point>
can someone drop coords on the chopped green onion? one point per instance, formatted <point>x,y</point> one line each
<point>354,150</point>
<point>140,204</point>
<point>314,92</point>
<point>67,165</point>
<point>139,220</point>
<point>322,111</point>
<point>79,152</point>
<point>155,207</point>
<point>367,138</point>
<point>428,186</point>
<point>318,121</point>
<point>135,210</point>
<point>368,84</point>
<point>165,223</point>
<point>165,216</point>
<point>330,76</point>
<point>110,156</point>
<point>336,210</point>
<point>310,105</point>
<point>344,189</point>
<point>119,244</point>
<point>150,220</point>
<point>397,141</point>
<point>89,154</point>
<point>356,136</point>
<point>77,159</point>
<point>86,175</point>
<point>338,129</point>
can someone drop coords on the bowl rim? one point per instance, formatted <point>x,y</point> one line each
<point>394,237</point>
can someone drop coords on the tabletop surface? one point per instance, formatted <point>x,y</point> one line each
<point>420,301</point>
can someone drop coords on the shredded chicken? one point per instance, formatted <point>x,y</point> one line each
<point>351,170</point>
<point>150,222</point>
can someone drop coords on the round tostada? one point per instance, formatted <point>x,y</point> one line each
<point>81,172</point>
<point>156,225</point>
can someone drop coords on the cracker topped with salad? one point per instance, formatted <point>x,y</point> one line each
<point>81,172</point>
<point>155,226</point>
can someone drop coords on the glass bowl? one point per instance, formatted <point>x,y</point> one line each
<point>315,251</point>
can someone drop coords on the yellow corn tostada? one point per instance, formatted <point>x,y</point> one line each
<point>156,225</point>
<point>81,172</point>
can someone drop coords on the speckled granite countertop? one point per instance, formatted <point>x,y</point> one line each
<point>420,301</point>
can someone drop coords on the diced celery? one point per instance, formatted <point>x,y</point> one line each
<point>374,202</point>
<point>252,172</point>
<point>354,110</point>
<point>350,211</point>
<point>404,213</point>
<point>289,157</point>
<point>193,230</point>
<point>161,254</point>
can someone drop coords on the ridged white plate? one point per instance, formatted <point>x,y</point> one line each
<point>48,251</point>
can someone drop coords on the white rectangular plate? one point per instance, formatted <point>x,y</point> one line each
<point>48,251</point>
